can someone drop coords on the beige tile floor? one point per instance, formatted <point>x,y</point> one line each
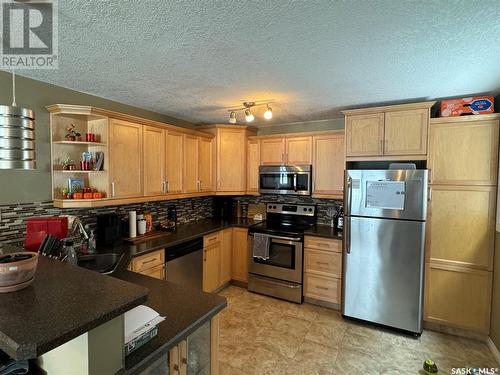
<point>263,335</point>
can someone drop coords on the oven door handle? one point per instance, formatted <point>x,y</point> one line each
<point>282,284</point>
<point>294,239</point>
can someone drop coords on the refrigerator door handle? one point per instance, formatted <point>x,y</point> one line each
<point>347,232</point>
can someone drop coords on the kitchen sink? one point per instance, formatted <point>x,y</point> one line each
<point>103,263</point>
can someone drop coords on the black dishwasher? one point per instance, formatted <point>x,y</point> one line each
<point>185,263</point>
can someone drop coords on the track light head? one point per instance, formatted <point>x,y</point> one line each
<point>268,114</point>
<point>249,117</point>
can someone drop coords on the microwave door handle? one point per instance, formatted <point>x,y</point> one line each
<point>295,182</point>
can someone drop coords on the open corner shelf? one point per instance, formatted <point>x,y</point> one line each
<point>81,143</point>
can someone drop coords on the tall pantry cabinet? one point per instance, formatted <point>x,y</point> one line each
<point>463,167</point>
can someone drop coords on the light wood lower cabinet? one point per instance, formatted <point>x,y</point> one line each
<point>125,150</point>
<point>458,297</point>
<point>211,266</point>
<point>240,254</point>
<point>198,353</point>
<point>323,269</point>
<point>151,264</point>
<point>226,256</point>
<point>322,288</point>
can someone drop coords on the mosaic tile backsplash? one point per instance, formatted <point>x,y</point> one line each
<point>13,217</point>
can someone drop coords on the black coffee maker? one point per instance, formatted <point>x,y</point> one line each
<point>109,229</point>
<point>223,207</point>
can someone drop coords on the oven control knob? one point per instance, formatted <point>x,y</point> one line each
<point>310,210</point>
<point>270,207</point>
<point>274,207</point>
<point>305,209</point>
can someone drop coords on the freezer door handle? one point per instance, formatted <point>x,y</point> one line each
<point>348,196</point>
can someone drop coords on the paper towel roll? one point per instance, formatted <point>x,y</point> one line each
<point>132,224</point>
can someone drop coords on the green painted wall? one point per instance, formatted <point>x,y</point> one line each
<point>306,126</point>
<point>495,311</point>
<point>35,186</point>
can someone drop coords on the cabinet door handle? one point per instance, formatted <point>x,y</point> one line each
<point>112,189</point>
<point>429,194</point>
<point>164,187</point>
<point>168,186</point>
<point>429,176</point>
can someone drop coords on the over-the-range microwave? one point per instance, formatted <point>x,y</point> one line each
<point>285,179</point>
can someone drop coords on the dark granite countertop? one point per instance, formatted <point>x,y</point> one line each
<point>324,231</point>
<point>63,302</point>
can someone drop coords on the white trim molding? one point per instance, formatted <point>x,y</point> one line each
<point>493,349</point>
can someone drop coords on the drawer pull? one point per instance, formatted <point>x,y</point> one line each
<point>321,287</point>
<point>325,263</point>
<point>322,244</point>
<point>212,239</point>
<point>149,261</point>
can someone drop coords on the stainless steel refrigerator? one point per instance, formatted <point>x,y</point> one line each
<point>384,239</point>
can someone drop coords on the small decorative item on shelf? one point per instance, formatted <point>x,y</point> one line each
<point>96,195</point>
<point>90,137</point>
<point>88,195</point>
<point>86,162</point>
<point>72,134</point>
<point>66,193</point>
<point>68,164</point>
<point>75,185</point>
<point>78,195</point>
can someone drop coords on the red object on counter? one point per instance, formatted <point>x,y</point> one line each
<point>38,227</point>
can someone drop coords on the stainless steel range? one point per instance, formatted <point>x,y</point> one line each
<point>276,251</point>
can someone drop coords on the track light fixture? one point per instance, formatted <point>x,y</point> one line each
<point>249,116</point>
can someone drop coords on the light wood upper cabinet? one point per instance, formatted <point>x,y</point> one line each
<point>458,297</point>
<point>328,165</point>
<point>206,165</point>
<point>190,179</point>
<point>174,162</point>
<point>226,257</point>
<point>461,226</point>
<point>397,130</point>
<point>154,160</point>
<point>240,254</point>
<point>125,147</point>
<point>253,162</point>
<point>231,160</point>
<point>298,151</point>
<point>463,152</point>
<point>364,135</point>
<point>405,132</point>
<point>272,151</point>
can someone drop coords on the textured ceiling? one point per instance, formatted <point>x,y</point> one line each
<point>191,59</point>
